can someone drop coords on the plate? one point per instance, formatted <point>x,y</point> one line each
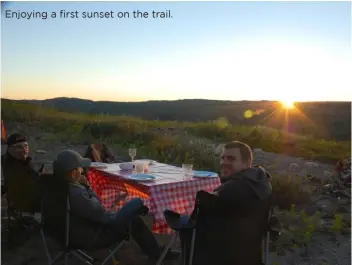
<point>126,166</point>
<point>142,177</point>
<point>204,174</point>
<point>98,165</point>
<point>151,162</point>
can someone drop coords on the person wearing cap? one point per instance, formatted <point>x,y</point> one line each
<point>91,225</point>
<point>21,180</point>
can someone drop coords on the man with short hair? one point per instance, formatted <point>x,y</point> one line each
<point>91,225</point>
<point>244,193</point>
<point>21,180</point>
<point>241,181</point>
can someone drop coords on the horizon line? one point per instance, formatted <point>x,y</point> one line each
<point>158,100</point>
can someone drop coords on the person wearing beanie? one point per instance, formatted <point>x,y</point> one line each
<point>21,180</point>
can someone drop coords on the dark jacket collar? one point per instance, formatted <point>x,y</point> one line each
<point>244,172</point>
<point>233,176</point>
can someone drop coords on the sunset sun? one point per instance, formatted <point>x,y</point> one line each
<point>287,104</point>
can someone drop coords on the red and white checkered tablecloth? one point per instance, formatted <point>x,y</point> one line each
<point>169,190</point>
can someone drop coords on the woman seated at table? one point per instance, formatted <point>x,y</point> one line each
<point>91,225</point>
<point>99,153</point>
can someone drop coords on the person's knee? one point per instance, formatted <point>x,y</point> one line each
<point>134,207</point>
<point>136,202</point>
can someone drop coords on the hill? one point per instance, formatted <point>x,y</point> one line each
<point>165,135</point>
<point>329,120</point>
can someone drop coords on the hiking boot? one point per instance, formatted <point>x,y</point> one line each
<point>171,254</point>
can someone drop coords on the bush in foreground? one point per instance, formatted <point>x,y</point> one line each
<point>288,192</point>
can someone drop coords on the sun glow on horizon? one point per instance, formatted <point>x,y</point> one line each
<point>287,104</point>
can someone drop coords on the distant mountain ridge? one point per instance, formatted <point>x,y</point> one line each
<point>331,120</point>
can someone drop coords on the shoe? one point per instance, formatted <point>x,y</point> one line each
<point>171,254</point>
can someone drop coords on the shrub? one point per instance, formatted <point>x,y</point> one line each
<point>288,192</point>
<point>128,130</point>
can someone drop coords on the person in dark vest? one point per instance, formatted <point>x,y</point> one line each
<point>21,180</point>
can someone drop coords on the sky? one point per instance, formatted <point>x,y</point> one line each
<point>298,51</point>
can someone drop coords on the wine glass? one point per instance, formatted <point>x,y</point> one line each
<point>132,152</point>
<point>187,169</point>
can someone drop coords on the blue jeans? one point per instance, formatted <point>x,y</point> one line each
<point>184,219</point>
<point>129,215</point>
<point>129,211</point>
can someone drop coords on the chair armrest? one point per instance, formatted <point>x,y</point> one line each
<point>177,221</point>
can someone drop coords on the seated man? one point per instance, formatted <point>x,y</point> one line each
<point>241,182</point>
<point>99,153</point>
<point>242,190</point>
<point>93,227</point>
<point>21,180</point>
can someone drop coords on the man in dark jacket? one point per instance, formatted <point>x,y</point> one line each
<point>240,181</point>
<point>21,180</point>
<point>91,225</point>
<point>244,194</point>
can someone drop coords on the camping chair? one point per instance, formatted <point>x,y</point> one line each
<point>266,239</point>
<point>196,227</point>
<point>66,248</point>
<point>17,220</point>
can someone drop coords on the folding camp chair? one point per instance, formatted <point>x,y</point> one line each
<point>68,249</point>
<point>15,223</point>
<point>266,238</point>
<point>175,222</point>
<point>16,220</point>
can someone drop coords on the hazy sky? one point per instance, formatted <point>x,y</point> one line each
<point>212,50</point>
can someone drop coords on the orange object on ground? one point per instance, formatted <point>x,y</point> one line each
<point>3,132</point>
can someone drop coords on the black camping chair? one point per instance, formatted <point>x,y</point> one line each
<point>67,249</point>
<point>197,229</point>
<point>18,222</point>
<point>49,228</point>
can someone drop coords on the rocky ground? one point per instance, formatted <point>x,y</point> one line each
<point>327,246</point>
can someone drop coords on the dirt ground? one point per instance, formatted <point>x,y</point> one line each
<point>32,252</point>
